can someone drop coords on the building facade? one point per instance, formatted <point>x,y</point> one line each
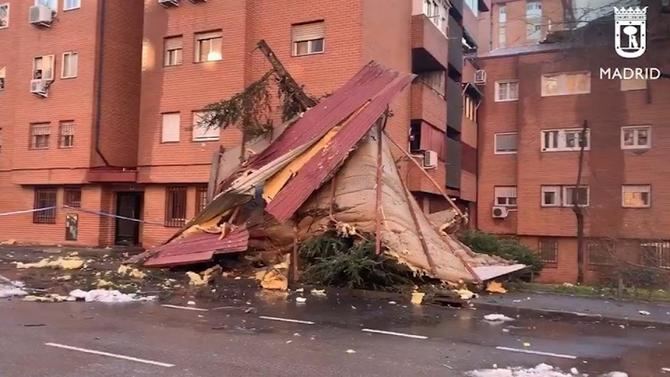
<point>142,83</point>
<point>69,85</point>
<point>538,98</point>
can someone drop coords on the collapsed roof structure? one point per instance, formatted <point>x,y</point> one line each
<point>332,168</point>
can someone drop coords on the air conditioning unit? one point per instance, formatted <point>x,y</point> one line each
<point>39,87</point>
<point>169,3</point>
<point>480,76</point>
<point>499,212</point>
<point>40,15</point>
<point>429,159</point>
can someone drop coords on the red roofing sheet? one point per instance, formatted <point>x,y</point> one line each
<point>198,248</point>
<point>328,113</point>
<point>313,174</point>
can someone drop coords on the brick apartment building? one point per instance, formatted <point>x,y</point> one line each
<point>69,88</point>
<point>88,135</point>
<point>537,98</point>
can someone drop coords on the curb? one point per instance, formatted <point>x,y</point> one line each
<point>549,313</point>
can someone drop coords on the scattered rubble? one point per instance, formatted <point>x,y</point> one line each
<point>51,297</point>
<point>125,270</point>
<point>59,263</point>
<point>11,291</point>
<point>274,279</point>
<point>644,312</point>
<point>541,370</point>
<point>108,296</point>
<point>495,287</point>
<point>417,297</point>
<point>300,300</point>
<point>499,318</point>
<point>9,242</point>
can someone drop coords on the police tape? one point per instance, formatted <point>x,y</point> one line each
<point>27,211</point>
<point>107,214</point>
<point>99,213</point>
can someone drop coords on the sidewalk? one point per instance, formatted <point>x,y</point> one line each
<point>581,307</point>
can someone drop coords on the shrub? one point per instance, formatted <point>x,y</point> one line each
<point>507,248</point>
<point>345,262</point>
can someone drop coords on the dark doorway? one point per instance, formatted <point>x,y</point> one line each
<point>127,232</point>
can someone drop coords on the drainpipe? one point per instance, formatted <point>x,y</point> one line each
<point>98,79</point>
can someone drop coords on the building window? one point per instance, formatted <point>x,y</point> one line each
<point>633,84</point>
<point>39,136</point>
<point>473,5</point>
<point>3,71</point>
<point>505,196</point>
<point>53,4</point>
<point>436,12</point>
<point>580,193</point>
<point>507,90</point>
<point>636,137</point>
<point>548,250</point>
<point>72,197</point>
<point>656,253</point>
<point>308,38</point>
<point>203,132</point>
<point>66,135</point>
<point>636,196</point>
<point>70,65</point>
<point>208,46</point>
<point>534,20</point>
<point>170,128</point>
<point>71,4</point>
<point>563,84</point>
<point>565,140</point>
<point>175,206</point>
<point>470,108</point>
<point>4,15</point>
<point>0,139</point>
<point>43,68</point>
<point>502,26</point>
<point>505,143</point>
<point>551,196</point>
<point>45,202</point>
<point>600,252</point>
<point>173,51</point>
<point>200,198</point>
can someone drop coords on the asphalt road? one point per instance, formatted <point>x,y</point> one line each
<point>331,338</point>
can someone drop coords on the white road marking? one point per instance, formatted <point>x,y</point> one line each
<point>537,352</point>
<point>184,308</point>
<point>286,320</point>
<point>666,370</point>
<point>101,353</point>
<point>395,333</point>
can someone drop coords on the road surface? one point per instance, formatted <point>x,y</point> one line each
<point>334,336</point>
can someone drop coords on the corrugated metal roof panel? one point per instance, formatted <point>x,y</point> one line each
<point>314,173</point>
<point>198,248</point>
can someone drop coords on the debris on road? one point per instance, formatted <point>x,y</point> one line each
<point>497,318</point>
<point>108,296</point>
<point>541,370</point>
<point>417,297</point>
<point>350,351</point>
<point>318,292</point>
<point>644,312</point>
<point>133,272</point>
<point>51,297</point>
<point>300,300</point>
<point>466,294</point>
<point>59,263</point>
<point>274,279</point>
<point>495,287</point>
<point>10,291</point>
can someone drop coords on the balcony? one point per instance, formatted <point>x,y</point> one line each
<point>454,104</point>
<point>417,182</point>
<point>455,45</point>
<point>429,45</point>
<point>428,105</point>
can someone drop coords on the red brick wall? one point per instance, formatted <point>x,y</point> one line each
<point>121,81</point>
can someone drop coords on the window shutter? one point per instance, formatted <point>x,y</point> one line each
<point>505,192</point>
<point>173,43</point>
<point>208,35</point>
<point>307,32</point>
<point>170,131</point>
<point>41,130</point>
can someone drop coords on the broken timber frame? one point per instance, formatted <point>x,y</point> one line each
<point>430,179</point>
<point>378,187</point>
